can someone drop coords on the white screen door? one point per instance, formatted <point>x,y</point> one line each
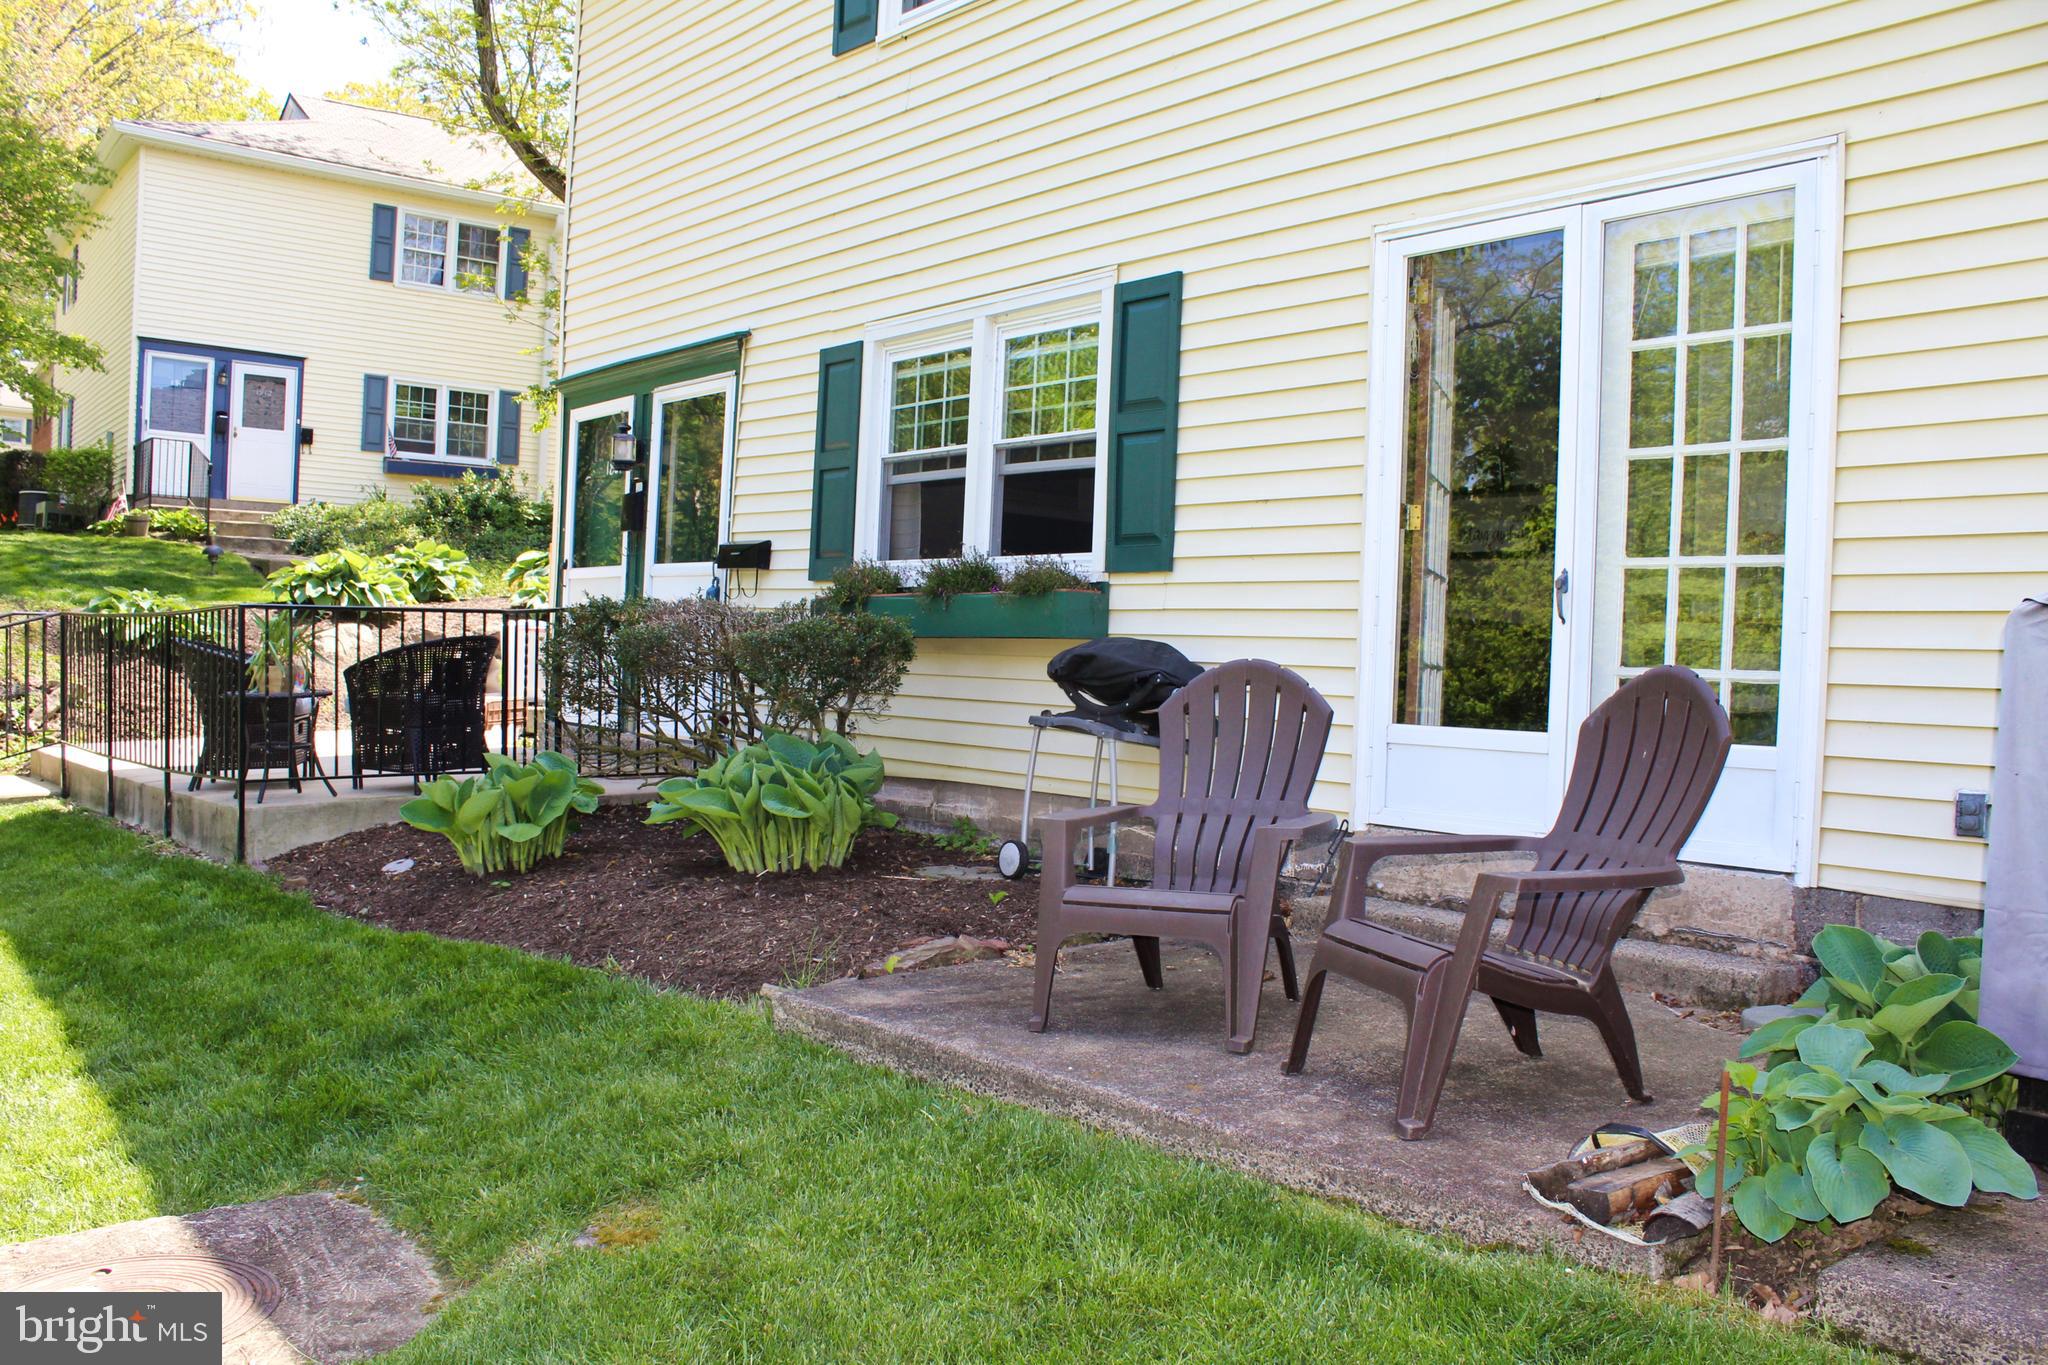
<point>687,485</point>
<point>1477,492</point>
<point>263,431</point>
<point>1591,454</point>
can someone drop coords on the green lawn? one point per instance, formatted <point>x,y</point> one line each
<point>181,1034</point>
<point>38,569</point>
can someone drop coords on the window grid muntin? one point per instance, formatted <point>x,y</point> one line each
<point>477,250</point>
<point>423,250</point>
<point>416,418</point>
<point>931,401</point>
<point>1679,452</point>
<point>1061,368</point>
<point>468,435</point>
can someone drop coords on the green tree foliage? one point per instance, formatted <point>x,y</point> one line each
<point>75,66</point>
<point>38,210</point>
<point>495,68</point>
<point>384,94</point>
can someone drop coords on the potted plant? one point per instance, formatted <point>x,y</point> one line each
<point>283,643</point>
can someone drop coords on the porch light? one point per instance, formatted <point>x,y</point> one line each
<point>627,449</point>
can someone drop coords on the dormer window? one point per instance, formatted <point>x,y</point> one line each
<point>445,253</point>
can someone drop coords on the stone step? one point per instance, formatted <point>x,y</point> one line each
<point>1684,975</point>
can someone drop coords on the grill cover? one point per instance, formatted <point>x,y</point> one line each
<point>1122,680</point>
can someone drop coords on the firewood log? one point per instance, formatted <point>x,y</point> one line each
<point>1550,1181</point>
<point>1614,1196</point>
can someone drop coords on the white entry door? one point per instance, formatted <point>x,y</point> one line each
<point>1591,453</point>
<point>688,485</point>
<point>263,431</point>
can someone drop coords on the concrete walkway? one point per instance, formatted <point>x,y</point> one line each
<point>1152,1065</point>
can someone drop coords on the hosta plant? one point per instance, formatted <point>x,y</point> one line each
<point>1884,1088</point>
<point>434,572</point>
<point>340,578</point>
<point>509,818</point>
<point>527,579</point>
<point>178,523</point>
<point>781,805</point>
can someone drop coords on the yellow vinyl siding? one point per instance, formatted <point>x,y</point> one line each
<point>262,258</point>
<point>103,400</point>
<point>730,172</point>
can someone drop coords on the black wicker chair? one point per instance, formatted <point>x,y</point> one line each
<point>419,709</point>
<point>217,676</point>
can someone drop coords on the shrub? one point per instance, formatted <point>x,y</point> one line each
<point>340,578</point>
<point>825,673</point>
<point>376,525</point>
<point>178,523</point>
<point>780,805</point>
<point>671,662</point>
<point>83,476</point>
<point>142,620</point>
<point>488,519</point>
<point>509,818</point>
<point>528,578</point>
<point>433,572</point>
<point>1894,1083</point>
<point>1039,575</point>
<point>854,584</point>
<point>945,579</point>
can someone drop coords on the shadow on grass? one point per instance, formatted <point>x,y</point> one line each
<point>775,1198</point>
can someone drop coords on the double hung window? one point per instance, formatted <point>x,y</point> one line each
<point>440,422</point>
<point>445,253</point>
<point>987,433</point>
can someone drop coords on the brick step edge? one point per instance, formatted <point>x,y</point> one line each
<point>1684,975</point>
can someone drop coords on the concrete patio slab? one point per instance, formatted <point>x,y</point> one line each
<point>1152,1065</point>
<point>310,1276</point>
<point>1962,1286</point>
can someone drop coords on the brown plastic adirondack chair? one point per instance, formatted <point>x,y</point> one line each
<point>1647,761</point>
<point>1238,752</point>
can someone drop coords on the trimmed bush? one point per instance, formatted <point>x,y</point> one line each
<point>488,519</point>
<point>825,674</point>
<point>376,525</point>
<point>83,476</point>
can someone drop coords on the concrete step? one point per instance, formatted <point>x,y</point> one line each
<point>1684,975</point>
<point>252,545</point>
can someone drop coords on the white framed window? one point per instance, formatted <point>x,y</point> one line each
<point>445,422</point>
<point>899,15</point>
<point>983,430</point>
<point>436,251</point>
<point>177,395</point>
<point>13,431</point>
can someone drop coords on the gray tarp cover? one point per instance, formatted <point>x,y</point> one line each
<point>2015,1001</point>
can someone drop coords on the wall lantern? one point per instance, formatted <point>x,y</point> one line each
<point>628,450</point>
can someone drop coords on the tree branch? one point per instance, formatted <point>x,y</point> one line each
<point>491,93</point>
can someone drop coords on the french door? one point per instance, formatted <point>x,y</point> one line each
<point>595,505</point>
<point>688,485</point>
<point>1590,455</point>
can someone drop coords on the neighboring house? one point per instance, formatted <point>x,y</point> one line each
<point>17,420</point>
<point>1465,358</point>
<point>316,303</point>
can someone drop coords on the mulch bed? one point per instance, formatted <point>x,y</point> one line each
<point>646,900</point>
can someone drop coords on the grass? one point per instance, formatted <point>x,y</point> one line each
<point>39,569</point>
<point>182,1035</point>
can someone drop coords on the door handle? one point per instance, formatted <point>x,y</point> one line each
<point>1562,587</point>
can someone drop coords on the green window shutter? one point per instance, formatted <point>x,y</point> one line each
<point>853,24</point>
<point>1144,424</point>
<point>383,240</point>
<point>838,454</point>
<point>375,387</point>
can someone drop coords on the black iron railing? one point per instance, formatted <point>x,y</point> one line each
<point>174,473</point>
<point>319,699</point>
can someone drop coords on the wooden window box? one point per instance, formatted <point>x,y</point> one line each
<point>1075,614</point>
